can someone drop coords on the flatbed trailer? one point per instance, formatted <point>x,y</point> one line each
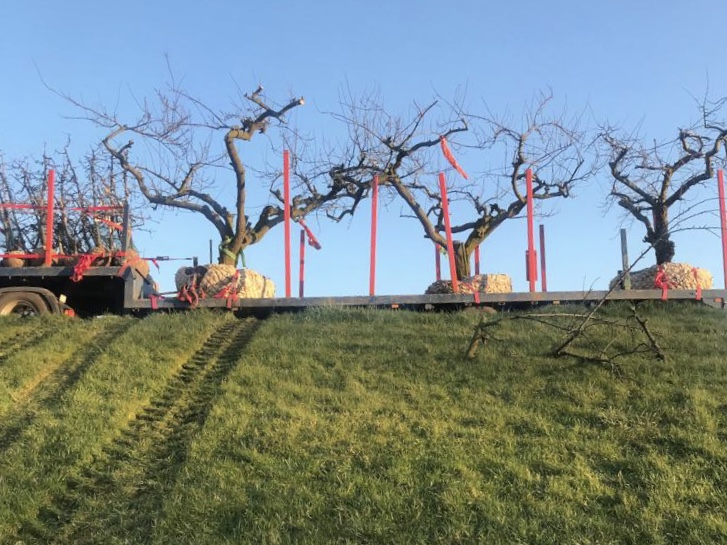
<point>503,301</point>
<point>94,290</point>
<point>121,290</point>
<point>52,290</point>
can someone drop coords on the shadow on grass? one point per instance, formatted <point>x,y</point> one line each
<point>120,495</point>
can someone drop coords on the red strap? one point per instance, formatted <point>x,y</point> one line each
<point>696,279</point>
<point>83,264</point>
<point>189,294</point>
<point>452,161</point>
<point>229,292</point>
<point>194,296</point>
<point>154,301</point>
<point>661,281</point>
<point>154,262</point>
<point>312,241</point>
<point>112,224</point>
<point>135,260</point>
<point>473,287</point>
<point>89,209</point>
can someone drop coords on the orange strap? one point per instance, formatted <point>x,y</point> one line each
<point>452,161</point>
<point>229,292</point>
<point>312,241</point>
<point>112,224</point>
<point>135,260</point>
<point>695,271</point>
<point>475,291</point>
<point>189,293</point>
<point>662,281</point>
<point>83,264</point>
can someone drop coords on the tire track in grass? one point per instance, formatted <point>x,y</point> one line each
<point>119,497</point>
<point>47,388</point>
<point>23,339</point>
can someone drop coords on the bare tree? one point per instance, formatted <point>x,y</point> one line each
<point>650,179</point>
<point>84,188</point>
<point>81,185</point>
<point>399,149</point>
<point>190,143</point>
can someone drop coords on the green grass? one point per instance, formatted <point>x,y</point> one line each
<point>359,426</point>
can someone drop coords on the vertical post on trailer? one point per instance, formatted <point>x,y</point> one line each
<point>211,256</point>
<point>448,228</point>
<point>543,272</point>
<point>723,222</point>
<point>437,262</point>
<point>286,216</point>
<point>532,271</point>
<point>477,259</point>
<point>374,220</point>
<point>126,226</point>
<point>301,273</point>
<point>625,261</point>
<point>48,260</point>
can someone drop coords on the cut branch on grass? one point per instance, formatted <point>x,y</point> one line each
<point>579,343</point>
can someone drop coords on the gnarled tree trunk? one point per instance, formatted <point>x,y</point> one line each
<point>659,236</point>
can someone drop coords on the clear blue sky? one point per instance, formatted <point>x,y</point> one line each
<point>629,62</point>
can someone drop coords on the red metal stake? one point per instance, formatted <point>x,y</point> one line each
<point>532,274</point>
<point>723,222</point>
<point>301,273</point>
<point>49,219</point>
<point>543,276</point>
<point>437,262</point>
<point>448,228</point>
<point>477,260</point>
<point>286,216</point>
<point>374,220</point>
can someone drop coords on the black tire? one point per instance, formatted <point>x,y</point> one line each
<point>23,303</point>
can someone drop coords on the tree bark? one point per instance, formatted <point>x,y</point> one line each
<point>660,238</point>
<point>461,260</point>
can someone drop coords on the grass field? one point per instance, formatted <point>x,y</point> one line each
<point>358,426</point>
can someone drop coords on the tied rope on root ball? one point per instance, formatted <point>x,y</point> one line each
<point>247,283</point>
<point>188,283</point>
<point>480,283</point>
<point>677,276</point>
<point>98,257</point>
<point>135,261</point>
<point>185,275</point>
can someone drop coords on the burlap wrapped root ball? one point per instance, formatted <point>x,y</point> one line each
<point>250,284</point>
<point>186,276</point>
<point>482,283</point>
<point>135,261</point>
<point>679,276</point>
<point>37,261</point>
<point>103,258</point>
<point>14,262</point>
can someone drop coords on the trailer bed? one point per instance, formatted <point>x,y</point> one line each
<point>713,298</point>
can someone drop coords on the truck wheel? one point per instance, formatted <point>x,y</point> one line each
<point>24,304</point>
